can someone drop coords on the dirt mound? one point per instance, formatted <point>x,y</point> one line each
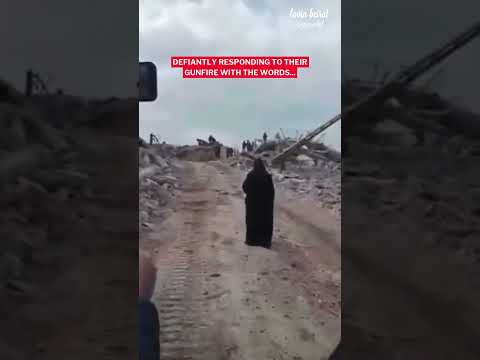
<point>197,153</point>
<point>313,171</point>
<point>157,184</point>
<point>321,182</point>
<point>59,206</point>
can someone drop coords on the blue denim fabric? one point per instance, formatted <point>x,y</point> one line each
<point>149,343</point>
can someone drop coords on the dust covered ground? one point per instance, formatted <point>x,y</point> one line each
<point>410,191</point>
<point>220,299</point>
<point>69,233</point>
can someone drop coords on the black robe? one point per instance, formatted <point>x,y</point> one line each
<point>149,329</point>
<point>259,208</point>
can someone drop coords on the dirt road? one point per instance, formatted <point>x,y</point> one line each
<point>219,299</point>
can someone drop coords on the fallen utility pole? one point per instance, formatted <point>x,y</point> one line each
<point>386,91</point>
<point>309,137</point>
<point>407,76</point>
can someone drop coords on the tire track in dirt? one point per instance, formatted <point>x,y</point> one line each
<point>182,332</point>
<point>221,300</point>
<point>274,318</point>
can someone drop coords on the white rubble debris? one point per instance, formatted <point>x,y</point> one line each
<point>321,182</point>
<point>157,184</point>
<point>314,171</point>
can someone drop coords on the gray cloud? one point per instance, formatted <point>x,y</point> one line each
<point>409,30</point>
<point>88,48</point>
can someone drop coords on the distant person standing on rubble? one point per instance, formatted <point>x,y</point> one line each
<point>265,137</point>
<point>244,145</point>
<point>258,186</point>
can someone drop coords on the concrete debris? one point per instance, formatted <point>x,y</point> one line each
<point>157,182</point>
<point>205,151</point>
<point>59,207</point>
<point>311,170</point>
<point>416,172</point>
<point>46,172</point>
<point>421,167</point>
<point>321,182</point>
<point>198,153</point>
<point>305,143</point>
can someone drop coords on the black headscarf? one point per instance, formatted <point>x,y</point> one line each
<point>259,166</point>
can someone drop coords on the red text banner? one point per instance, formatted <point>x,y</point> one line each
<point>240,66</point>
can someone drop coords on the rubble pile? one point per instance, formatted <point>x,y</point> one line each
<point>321,182</point>
<point>46,177</point>
<point>416,164</point>
<point>196,153</point>
<point>38,182</point>
<point>415,169</point>
<point>313,170</point>
<point>157,184</point>
<point>410,163</point>
<point>204,151</point>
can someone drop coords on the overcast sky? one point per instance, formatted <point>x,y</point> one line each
<point>88,48</point>
<point>411,29</point>
<point>236,109</point>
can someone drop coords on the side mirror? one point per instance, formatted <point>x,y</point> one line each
<point>147,85</point>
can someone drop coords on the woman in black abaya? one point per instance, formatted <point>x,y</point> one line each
<point>258,186</point>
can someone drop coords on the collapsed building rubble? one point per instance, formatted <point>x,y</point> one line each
<point>197,152</point>
<point>37,180</point>
<point>448,152</point>
<point>157,183</point>
<point>415,172</point>
<point>312,170</point>
<point>410,126</point>
<point>158,168</point>
<point>47,176</point>
<point>321,182</point>
<point>205,151</point>
<point>60,208</point>
<point>411,165</point>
